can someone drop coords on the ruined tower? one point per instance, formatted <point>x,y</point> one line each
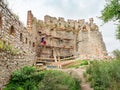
<point>29,21</point>
<point>91,45</point>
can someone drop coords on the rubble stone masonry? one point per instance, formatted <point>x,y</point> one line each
<point>10,63</point>
<point>13,33</point>
<point>63,39</point>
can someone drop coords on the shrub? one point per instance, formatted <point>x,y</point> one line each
<point>84,62</point>
<point>103,75</point>
<point>23,79</point>
<point>29,79</point>
<point>57,80</point>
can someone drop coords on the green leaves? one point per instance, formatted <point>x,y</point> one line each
<point>29,79</point>
<point>112,12</point>
<point>104,75</point>
<point>118,32</point>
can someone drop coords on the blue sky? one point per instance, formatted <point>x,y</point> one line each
<point>69,9</point>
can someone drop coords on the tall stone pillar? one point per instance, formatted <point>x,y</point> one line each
<point>29,21</point>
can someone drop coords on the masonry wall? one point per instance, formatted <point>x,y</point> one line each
<point>90,42</point>
<point>13,33</point>
<point>91,45</point>
<point>10,63</point>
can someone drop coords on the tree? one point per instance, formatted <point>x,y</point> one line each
<point>112,12</point>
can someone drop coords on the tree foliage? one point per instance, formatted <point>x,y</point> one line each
<point>112,12</point>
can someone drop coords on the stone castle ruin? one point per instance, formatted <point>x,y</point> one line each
<point>46,41</point>
<point>69,38</point>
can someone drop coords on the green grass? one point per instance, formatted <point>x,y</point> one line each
<point>77,64</point>
<point>29,79</point>
<point>104,75</point>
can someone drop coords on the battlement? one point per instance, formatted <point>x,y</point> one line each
<point>71,24</point>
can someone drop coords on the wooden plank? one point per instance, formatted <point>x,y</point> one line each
<point>39,64</point>
<point>40,61</point>
<point>45,58</point>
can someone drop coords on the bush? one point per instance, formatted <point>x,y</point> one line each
<point>84,62</point>
<point>29,79</point>
<point>57,80</point>
<point>23,79</point>
<point>103,75</point>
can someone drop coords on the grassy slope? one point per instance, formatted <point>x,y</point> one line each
<point>77,64</point>
<point>104,75</point>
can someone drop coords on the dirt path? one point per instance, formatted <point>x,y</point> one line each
<point>79,74</point>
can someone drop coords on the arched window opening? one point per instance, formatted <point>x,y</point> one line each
<point>21,37</point>
<point>26,40</point>
<point>33,44</point>
<point>12,30</point>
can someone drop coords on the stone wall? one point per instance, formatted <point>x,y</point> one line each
<point>13,33</point>
<point>90,42</point>
<point>10,63</point>
<point>86,38</point>
<point>91,45</point>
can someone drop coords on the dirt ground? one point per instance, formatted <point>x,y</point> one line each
<point>78,73</point>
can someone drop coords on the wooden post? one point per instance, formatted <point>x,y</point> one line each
<point>54,54</point>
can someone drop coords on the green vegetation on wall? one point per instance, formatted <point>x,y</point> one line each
<point>9,48</point>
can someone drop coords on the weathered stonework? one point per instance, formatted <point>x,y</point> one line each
<point>10,63</point>
<point>90,42</point>
<point>62,39</point>
<point>83,39</point>
<point>13,33</point>
<point>91,45</point>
